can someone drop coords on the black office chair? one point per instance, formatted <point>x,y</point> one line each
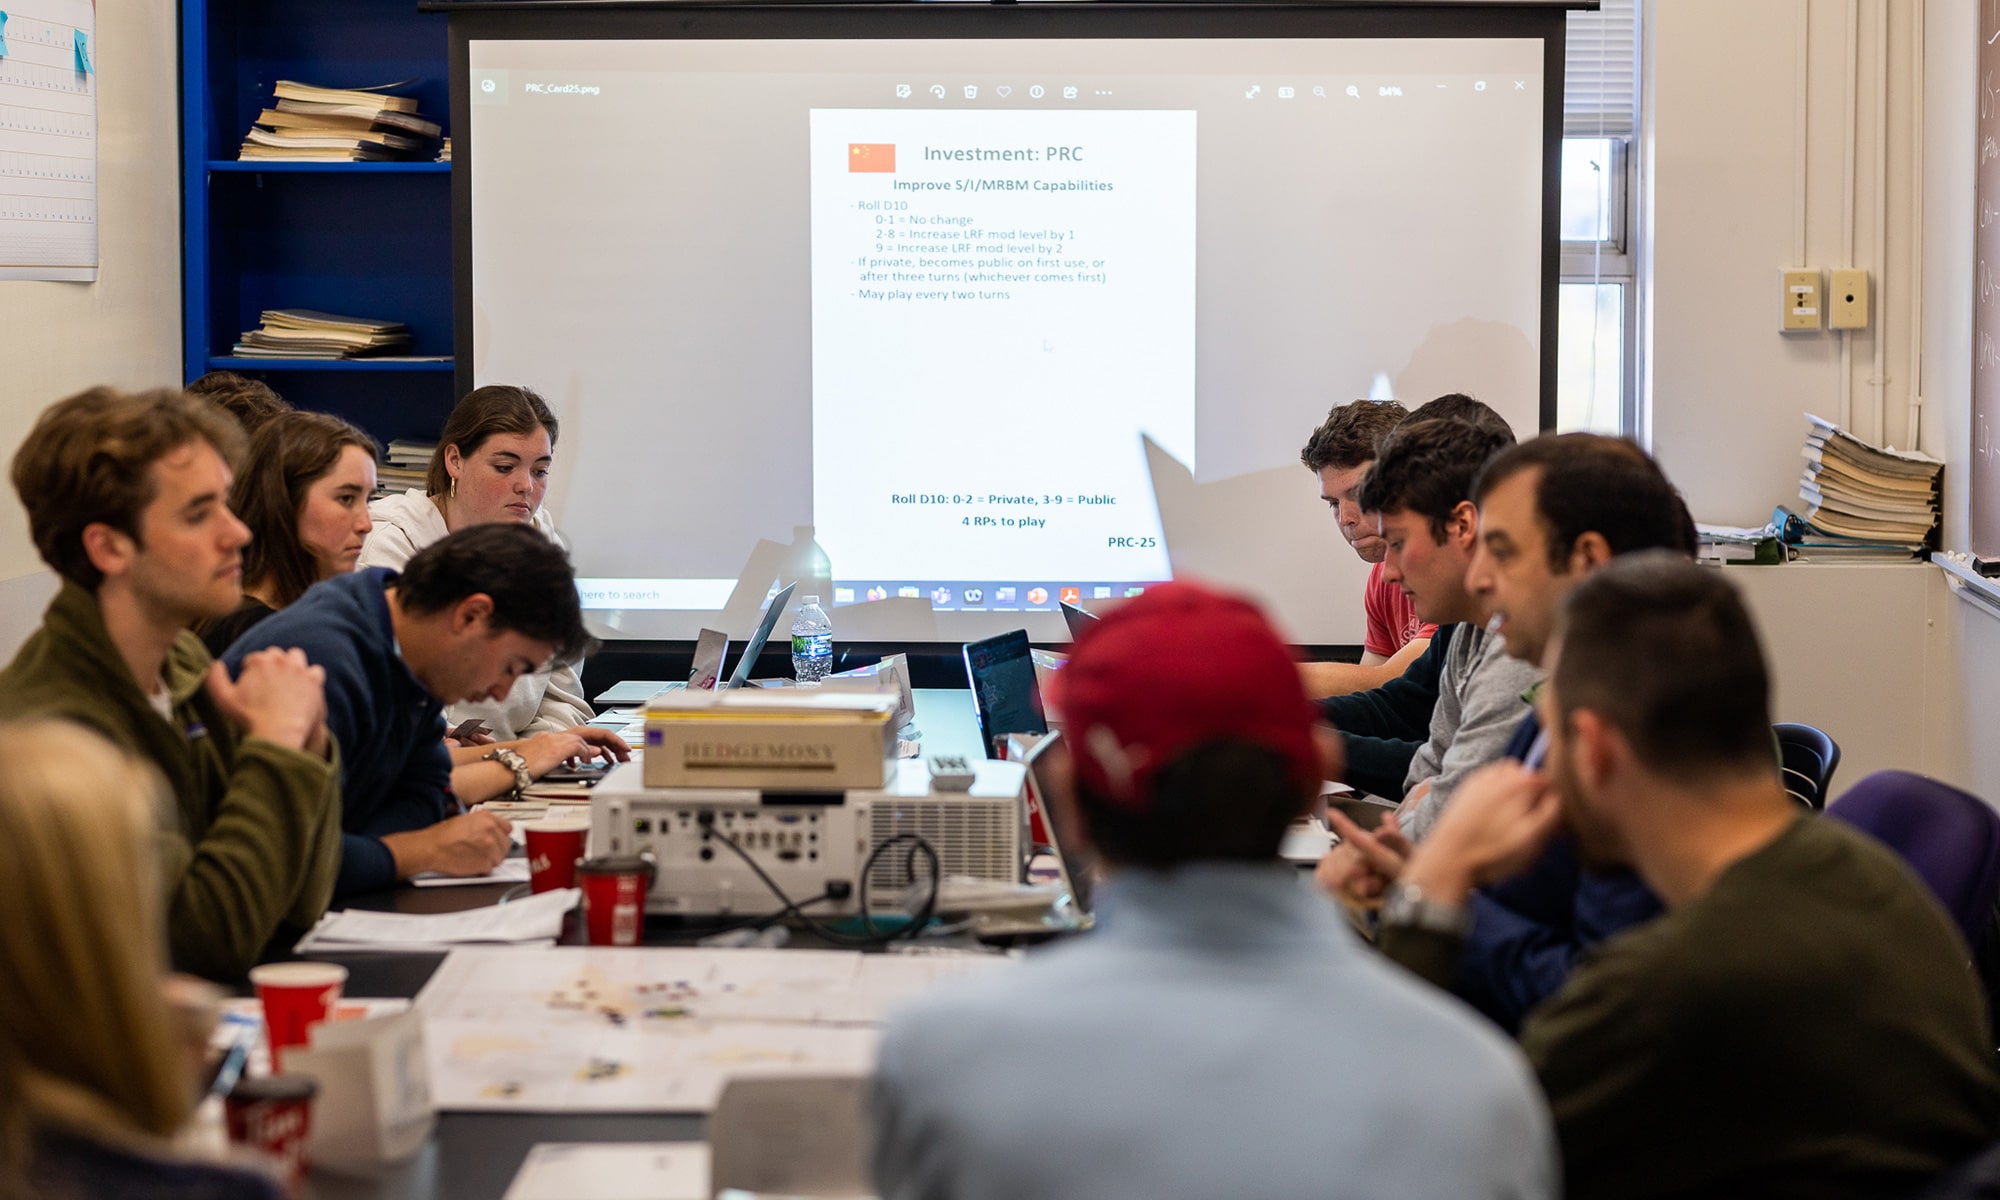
<point>1808,757</point>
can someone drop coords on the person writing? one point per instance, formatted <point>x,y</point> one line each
<point>466,618</point>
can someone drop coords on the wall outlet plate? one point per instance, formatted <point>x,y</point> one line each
<point>1847,300</point>
<point>1801,290</point>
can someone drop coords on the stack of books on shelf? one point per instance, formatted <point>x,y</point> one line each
<point>303,333</point>
<point>405,464</point>
<point>316,124</point>
<point>1865,501</point>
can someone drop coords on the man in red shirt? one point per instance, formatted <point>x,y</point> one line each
<point>1339,454</point>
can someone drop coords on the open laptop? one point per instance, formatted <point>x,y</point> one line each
<point>710,651</point>
<point>1077,619</point>
<point>1076,862</point>
<point>1005,695</point>
<point>772,611</point>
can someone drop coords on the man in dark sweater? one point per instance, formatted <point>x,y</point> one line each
<point>468,616</point>
<point>1801,1021</point>
<point>126,501</point>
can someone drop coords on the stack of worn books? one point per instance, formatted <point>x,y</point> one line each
<point>406,464</point>
<point>316,124</point>
<point>1868,499</point>
<point>304,333</point>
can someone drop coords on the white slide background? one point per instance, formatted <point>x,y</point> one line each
<point>975,304</point>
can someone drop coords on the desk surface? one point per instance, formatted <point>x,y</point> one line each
<point>474,1156</point>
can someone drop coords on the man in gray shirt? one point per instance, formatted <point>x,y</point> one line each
<point>1421,488</point>
<point>1181,1049</point>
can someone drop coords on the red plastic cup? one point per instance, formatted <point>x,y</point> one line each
<point>272,1114</point>
<point>296,997</point>
<point>554,849</point>
<point>614,898</point>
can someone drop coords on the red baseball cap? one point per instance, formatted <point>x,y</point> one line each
<point>1177,667</point>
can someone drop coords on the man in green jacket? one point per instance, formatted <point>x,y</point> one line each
<point>125,496</point>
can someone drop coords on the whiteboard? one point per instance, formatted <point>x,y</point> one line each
<point>48,141</point>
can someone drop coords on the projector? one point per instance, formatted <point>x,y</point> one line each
<point>811,843</point>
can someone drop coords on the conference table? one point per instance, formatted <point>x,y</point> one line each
<point>474,1156</point>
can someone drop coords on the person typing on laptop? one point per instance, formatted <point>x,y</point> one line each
<point>1180,1050</point>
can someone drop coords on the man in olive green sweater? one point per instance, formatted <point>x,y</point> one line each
<point>1802,1021</point>
<point>125,499</point>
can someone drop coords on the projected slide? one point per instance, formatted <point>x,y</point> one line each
<point>989,280</point>
<point>950,329</point>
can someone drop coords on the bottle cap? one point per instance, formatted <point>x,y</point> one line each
<point>810,600</point>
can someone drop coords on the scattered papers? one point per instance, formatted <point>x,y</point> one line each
<point>510,870</point>
<point>580,1029</point>
<point>535,920</point>
<point>613,1171</point>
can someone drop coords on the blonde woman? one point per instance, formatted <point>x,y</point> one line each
<point>94,1077</point>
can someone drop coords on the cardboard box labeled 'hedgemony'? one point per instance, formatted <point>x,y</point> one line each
<point>790,738</point>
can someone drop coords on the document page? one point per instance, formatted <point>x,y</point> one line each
<point>989,277</point>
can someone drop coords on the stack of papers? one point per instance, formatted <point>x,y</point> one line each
<point>510,870</point>
<point>1732,543</point>
<point>1868,493</point>
<point>405,464</point>
<point>305,333</point>
<point>315,124</point>
<point>535,921</point>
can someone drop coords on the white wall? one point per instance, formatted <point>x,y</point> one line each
<point>59,338</point>
<point>1899,669</point>
<point>1727,166</point>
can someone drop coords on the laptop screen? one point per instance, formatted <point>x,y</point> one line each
<point>1001,673</point>
<point>772,611</point>
<point>1074,856</point>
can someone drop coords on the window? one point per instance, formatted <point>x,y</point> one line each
<point>1596,328</point>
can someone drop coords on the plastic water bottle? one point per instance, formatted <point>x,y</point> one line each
<point>812,643</point>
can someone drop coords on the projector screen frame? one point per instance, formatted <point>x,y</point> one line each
<point>623,19</point>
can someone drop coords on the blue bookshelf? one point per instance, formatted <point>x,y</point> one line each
<point>364,239</point>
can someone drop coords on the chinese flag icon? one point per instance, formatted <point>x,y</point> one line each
<point>878,157</point>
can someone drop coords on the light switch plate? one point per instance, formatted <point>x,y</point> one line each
<point>1802,305</point>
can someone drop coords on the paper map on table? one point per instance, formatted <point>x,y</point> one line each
<point>576,1029</point>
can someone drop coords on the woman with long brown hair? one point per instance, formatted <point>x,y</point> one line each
<point>492,464</point>
<point>303,492</point>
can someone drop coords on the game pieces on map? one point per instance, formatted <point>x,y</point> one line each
<point>576,1029</point>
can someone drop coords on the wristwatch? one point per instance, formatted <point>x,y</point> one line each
<point>515,763</point>
<point>1406,905</point>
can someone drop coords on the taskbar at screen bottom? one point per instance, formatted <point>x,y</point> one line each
<point>957,595</point>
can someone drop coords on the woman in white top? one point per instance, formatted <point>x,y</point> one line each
<point>492,464</point>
